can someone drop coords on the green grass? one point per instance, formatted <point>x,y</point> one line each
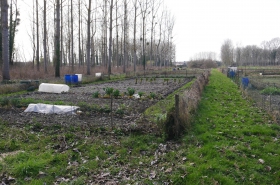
<point>271,91</point>
<point>162,107</point>
<point>228,137</point>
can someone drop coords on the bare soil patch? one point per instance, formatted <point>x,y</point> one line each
<point>132,108</point>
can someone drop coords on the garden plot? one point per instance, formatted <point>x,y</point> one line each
<point>97,111</point>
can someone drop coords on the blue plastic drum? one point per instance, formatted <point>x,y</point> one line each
<point>67,79</point>
<point>74,79</point>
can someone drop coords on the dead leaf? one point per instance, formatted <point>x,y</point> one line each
<point>152,175</point>
<point>261,161</point>
<point>168,170</point>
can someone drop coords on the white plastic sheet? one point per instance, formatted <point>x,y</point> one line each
<point>53,88</point>
<point>51,109</point>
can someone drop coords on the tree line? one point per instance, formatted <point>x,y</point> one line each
<point>267,54</point>
<point>109,33</point>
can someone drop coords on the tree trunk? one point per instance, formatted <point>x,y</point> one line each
<point>117,34</point>
<point>79,33</point>
<point>37,37</point>
<point>88,39</point>
<point>72,38</point>
<point>5,39</point>
<point>45,36</point>
<point>57,40</point>
<point>134,37</point>
<point>62,61</point>
<point>125,37</point>
<point>110,38</point>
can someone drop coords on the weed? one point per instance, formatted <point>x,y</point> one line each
<point>271,91</point>
<point>108,90</point>
<point>15,102</point>
<point>121,109</point>
<point>4,101</point>
<point>140,93</point>
<point>130,91</point>
<point>152,95</point>
<point>116,93</point>
<point>95,94</point>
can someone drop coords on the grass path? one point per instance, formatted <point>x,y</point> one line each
<point>231,142</point>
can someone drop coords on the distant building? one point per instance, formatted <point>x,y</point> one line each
<point>180,64</point>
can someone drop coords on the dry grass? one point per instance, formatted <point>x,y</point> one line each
<point>189,101</point>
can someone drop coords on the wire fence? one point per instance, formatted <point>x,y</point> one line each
<point>253,83</point>
<point>185,105</point>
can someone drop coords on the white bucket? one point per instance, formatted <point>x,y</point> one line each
<point>79,77</point>
<point>53,88</point>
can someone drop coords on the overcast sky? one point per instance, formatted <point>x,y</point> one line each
<point>203,25</point>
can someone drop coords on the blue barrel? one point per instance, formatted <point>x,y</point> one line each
<point>245,81</point>
<point>67,79</point>
<point>74,79</point>
<point>231,74</point>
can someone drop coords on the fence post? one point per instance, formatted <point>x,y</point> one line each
<point>176,115</point>
<point>111,107</point>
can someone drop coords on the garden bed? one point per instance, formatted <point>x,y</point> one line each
<point>126,110</point>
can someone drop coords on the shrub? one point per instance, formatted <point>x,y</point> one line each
<point>141,93</point>
<point>4,101</point>
<point>130,91</point>
<point>15,102</point>
<point>108,90</point>
<point>95,94</point>
<point>116,93</point>
<point>152,95</point>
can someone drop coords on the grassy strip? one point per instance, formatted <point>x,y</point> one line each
<point>231,142</point>
<point>162,107</point>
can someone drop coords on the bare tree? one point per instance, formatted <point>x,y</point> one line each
<point>110,38</point>
<point>45,36</point>
<point>88,38</point>
<point>37,36</point>
<point>72,38</point>
<point>227,52</point>
<point>14,22</point>
<point>5,40</point>
<point>144,12</point>
<point>57,40</point>
<point>125,36</point>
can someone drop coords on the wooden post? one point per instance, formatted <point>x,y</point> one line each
<point>112,111</point>
<point>176,115</point>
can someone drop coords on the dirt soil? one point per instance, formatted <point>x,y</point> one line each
<point>132,108</point>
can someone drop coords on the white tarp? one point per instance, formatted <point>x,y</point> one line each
<point>51,109</point>
<point>53,88</point>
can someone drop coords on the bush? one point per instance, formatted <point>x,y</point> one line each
<point>116,93</point>
<point>140,93</point>
<point>108,90</point>
<point>95,94</point>
<point>4,101</point>
<point>15,102</point>
<point>130,91</point>
<point>152,95</point>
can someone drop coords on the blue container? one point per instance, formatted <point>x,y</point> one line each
<point>245,81</point>
<point>74,79</point>
<point>231,74</point>
<point>67,79</point>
